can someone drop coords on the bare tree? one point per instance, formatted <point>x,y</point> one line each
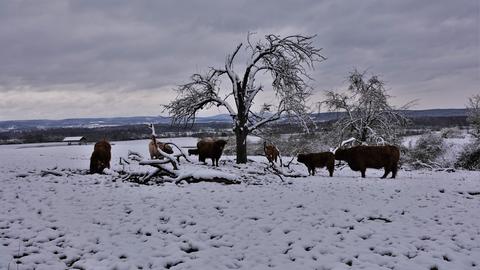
<point>473,114</point>
<point>366,112</point>
<point>286,60</point>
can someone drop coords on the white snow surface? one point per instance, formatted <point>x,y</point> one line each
<point>421,220</point>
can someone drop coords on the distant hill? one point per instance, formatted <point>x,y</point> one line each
<point>436,113</point>
<point>99,122</point>
<point>221,118</point>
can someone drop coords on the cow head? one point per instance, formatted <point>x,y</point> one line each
<point>301,158</point>
<point>220,144</point>
<point>97,166</point>
<point>341,154</point>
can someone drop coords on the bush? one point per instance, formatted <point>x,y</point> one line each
<point>452,133</point>
<point>470,157</point>
<point>428,148</point>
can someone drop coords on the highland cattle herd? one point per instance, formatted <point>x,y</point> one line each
<point>358,158</point>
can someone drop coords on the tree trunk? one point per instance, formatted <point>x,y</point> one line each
<point>363,135</point>
<point>241,139</point>
<point>241,130</point>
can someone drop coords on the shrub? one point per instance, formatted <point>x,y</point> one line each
<point>452,133</point>
<point>428,148</point>
<point>470,157</point>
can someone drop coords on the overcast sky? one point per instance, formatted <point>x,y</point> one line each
<point>69,59</point>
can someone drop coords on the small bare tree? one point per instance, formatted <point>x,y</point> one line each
<point>473,114</point>
<point>285,59</point>
<point>366,113</point>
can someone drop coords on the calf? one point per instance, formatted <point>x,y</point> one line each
<point>271,152</point>
<point>359,158</point>
<point>153,148</point>
<point>100,158</point>
<point>318,160</point>
<point>210,148</point>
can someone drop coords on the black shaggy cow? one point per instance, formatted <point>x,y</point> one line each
<point>210,148</point>
<point>359,158</point>
<point>100,158</point>
<point>318,160</point>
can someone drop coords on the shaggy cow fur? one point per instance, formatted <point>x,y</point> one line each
<point>210,148</point>
<point>100,158</point>
<point>271,152</point>
<point>153,148</point>
<point>359,158</point>
<point>318,160</point>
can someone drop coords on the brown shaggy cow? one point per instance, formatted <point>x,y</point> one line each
<point>271,152</point>
<point>318,160</point>
<point>210,148</point>
<point>100,158</point>
<point>153,148</point>
<point>359,158</point>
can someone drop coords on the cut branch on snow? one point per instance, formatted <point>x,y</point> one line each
<point>181,154</point>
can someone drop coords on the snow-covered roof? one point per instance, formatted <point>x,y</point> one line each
<point>73,139</point>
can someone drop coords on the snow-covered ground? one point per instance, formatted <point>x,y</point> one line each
<point>421,220</point>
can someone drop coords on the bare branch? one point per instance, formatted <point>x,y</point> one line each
<point>196,95</point>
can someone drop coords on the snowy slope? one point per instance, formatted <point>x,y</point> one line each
<point>422,220</point>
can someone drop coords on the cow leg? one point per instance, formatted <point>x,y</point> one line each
<point>92,167</point>
<point>387,171</point>
<point>331,167</point>
<point>394,170</point>
<point>313,171</point>
<point>330,170</point>
<point>363,172</point>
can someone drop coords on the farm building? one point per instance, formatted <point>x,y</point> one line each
<point>75,140</point>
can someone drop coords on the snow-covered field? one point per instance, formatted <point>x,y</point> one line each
<point>421,220</point>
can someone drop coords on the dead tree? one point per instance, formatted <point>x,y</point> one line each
<point>286,60</point>
<point>365,111</point>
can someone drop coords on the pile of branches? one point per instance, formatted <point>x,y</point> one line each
<point>167,169</point>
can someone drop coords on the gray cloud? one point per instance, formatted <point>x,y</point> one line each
<point>71,56</point>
